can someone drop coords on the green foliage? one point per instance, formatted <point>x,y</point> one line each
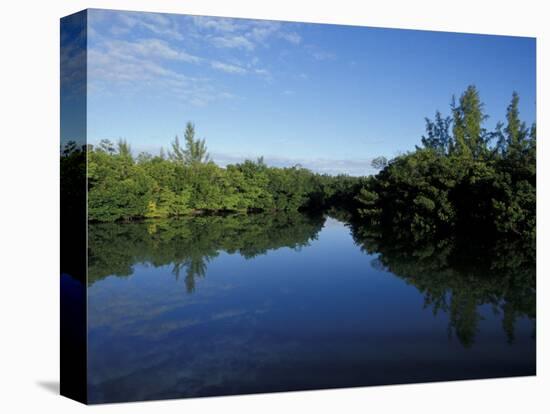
<point>252,184</point>
<point>117,187</point>
<point>369,205</point>
<point>195,151</point>
<point>468,117</point>
<point>459,182</point>
<point>124,149</point>
<point>123,188</point>
<point>412,193</point>
<point>379,162</point>
<point>73,169</point>
<point>516,131</point>
<point>438,136</point>
<point>178,153</point>
<point>107,146</point>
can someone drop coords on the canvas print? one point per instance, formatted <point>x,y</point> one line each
<point>254,206</point>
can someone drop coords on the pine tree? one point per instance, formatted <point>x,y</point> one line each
<point>533,138</point>
<point>124,149</point>
<point>438,136</point>
<point>178,153</point>
<point>470,138</point>
<point>379,163</point>
<point>107,146</point>
<point>458,144</point>
<point>516,131</point>
<point>195,150</point>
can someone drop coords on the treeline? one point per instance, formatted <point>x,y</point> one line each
<point>464,178</point>
<point>186,181</point>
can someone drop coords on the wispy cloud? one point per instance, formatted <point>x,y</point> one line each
<point>133,68</point>
<point>354,167</point>
<point>243,34</point>
<point>263,72</point>
<point>318,53</point>
<point>233,42</point>
<point>228,68</point>
<point>260,31</point>
<point>153,50</point>
<point>292,37</point>
<point>322,55</point>
<point>149,48</point>
<point>159,24</point>
<point>218,24</point>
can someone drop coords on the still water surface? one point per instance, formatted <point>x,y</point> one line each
<point>228,305</point>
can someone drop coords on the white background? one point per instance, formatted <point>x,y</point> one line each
<point>29,235</point>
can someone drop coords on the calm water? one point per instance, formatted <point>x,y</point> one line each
<point>231,305</point>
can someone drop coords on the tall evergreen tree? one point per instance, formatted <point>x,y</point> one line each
<point>516,131</point>
<point>107,146</point>
<point>195,150</point>
<point>438,136</point>
<point>458,144</point>
<point>501,145</point>
<point>379,163</point>
<point>178,153</point>
<point>124,149</point>
<point>470,139</point>
<point>533,139</point>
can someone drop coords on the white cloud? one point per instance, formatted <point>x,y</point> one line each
<point>233,42</point>
<point>109,65</point>
<point>149,49</point>
<point>219,24</point>
<point>291,37</point>
<point>354,167</point>
<point>322,55</point>
<point>262,72</point>
<point>242,33</point>
<point>159,24</point>
<point>124,66</point>
<point>228,68</point>
<point>261,30</point>
<point>151,57</point>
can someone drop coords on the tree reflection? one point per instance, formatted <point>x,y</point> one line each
<point>189,244</point>
<point>458,275</point>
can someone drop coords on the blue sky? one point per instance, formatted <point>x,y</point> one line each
<point>327,97</point>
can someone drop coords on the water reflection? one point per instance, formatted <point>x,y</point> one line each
<point>189,244</point>
<point>263,303</point>
<point>457,276</point>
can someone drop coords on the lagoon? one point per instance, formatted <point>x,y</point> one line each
<point>222,305</point>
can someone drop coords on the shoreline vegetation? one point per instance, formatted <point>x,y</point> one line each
<point>462,178</point>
